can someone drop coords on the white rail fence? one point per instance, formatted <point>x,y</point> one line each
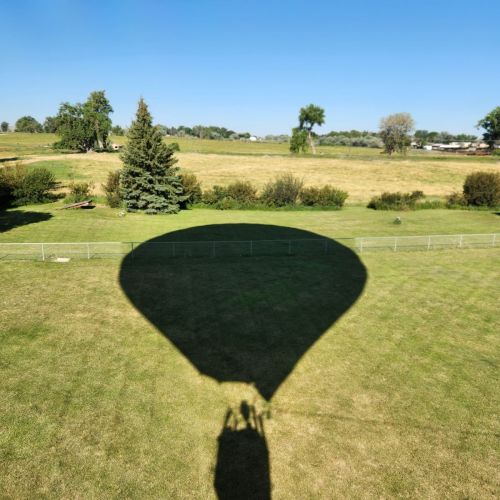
<point>174,249</point>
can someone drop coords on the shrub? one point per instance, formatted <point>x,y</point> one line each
<point>36,187</point>
<point>79,191</point>
<point>284,190</point>
<point>239,194</point>
<point>214,195</point>
<point>22,187</point>
<point>482,189</point>
<point>242,191</point>
<point>112,189</point>
<point>191,189</point>
<point>174,146</point>
<point>298,141</point>
<point>455,199</point>
<point>327,196</point>
<point>396,201</point>
<point>365,141</point>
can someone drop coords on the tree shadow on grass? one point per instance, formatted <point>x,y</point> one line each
<point>10,219</point>
<point>243,319</point>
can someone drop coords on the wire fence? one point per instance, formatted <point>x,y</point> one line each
<point>151,250</point>
<point>429,242</point>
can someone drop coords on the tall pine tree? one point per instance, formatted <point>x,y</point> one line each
<point>149,179</point>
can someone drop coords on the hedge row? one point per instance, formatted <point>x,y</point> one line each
<point>481,189</point>
<point>284,191</point>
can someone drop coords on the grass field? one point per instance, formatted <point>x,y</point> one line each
<point>363,172</point>
<point>46,223</point>
<point>346,376</point>
<point>375,375</point>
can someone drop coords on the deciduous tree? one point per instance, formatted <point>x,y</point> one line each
<point>491,125</point>
<point>395,132</point>
<point>28,124</point>
<point>84,127</point>
<point>308,117</point>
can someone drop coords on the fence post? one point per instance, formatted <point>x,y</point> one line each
<point>361,245</point>
<point>428,243</point>
<point>88,251</point>
<point>494,239</point>
<point>461,241</point>
<point>43,253</point>
<point>395,243</point>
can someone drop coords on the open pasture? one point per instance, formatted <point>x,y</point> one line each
<point>361,178</point>
<point>362,172</point>
<point>373,375</point>
<point>348,375</point>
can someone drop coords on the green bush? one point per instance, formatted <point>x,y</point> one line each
<point>242,191</point>
<point>22,187</point>
<point>79,191</point>
<point>174,146</point>
<point>396,201</point>
<point>214,195</point>
<point>455,200</point>
<point>482,189</point>
<point>191,189</point>
<point>239,194</point>
<point>327,196</point>
<point>112,189</point>
<point>284,190</point>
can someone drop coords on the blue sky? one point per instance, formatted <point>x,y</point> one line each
<point>251,65</point>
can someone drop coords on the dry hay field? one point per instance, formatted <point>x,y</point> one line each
<point>361,177</point>
<point>363,172</point>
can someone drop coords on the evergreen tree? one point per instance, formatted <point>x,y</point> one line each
<point>149,179</point>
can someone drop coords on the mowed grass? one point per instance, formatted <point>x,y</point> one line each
<point>48,223</point>
<point>398,398</point>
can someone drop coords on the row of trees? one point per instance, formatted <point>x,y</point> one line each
<point>203,132</point>
<point>395,132</point>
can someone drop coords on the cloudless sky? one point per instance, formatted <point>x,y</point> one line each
<point>250,65</point>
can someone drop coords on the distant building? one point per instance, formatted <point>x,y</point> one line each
<point>252,138</point>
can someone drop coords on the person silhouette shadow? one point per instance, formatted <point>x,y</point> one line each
<point>242,470</point>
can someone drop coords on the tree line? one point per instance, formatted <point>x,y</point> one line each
<point>396,132</point>
<point>88,126</point>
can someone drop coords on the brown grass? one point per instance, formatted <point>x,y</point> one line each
<point>362,178</point>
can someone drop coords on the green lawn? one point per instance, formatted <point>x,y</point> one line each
<point>47,223</point>
<point>342,376</point>
<point>110,386</point>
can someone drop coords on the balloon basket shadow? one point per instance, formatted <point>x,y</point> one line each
<point>242,470</point>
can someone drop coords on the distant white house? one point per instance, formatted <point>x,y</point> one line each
<point>252,138</point>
